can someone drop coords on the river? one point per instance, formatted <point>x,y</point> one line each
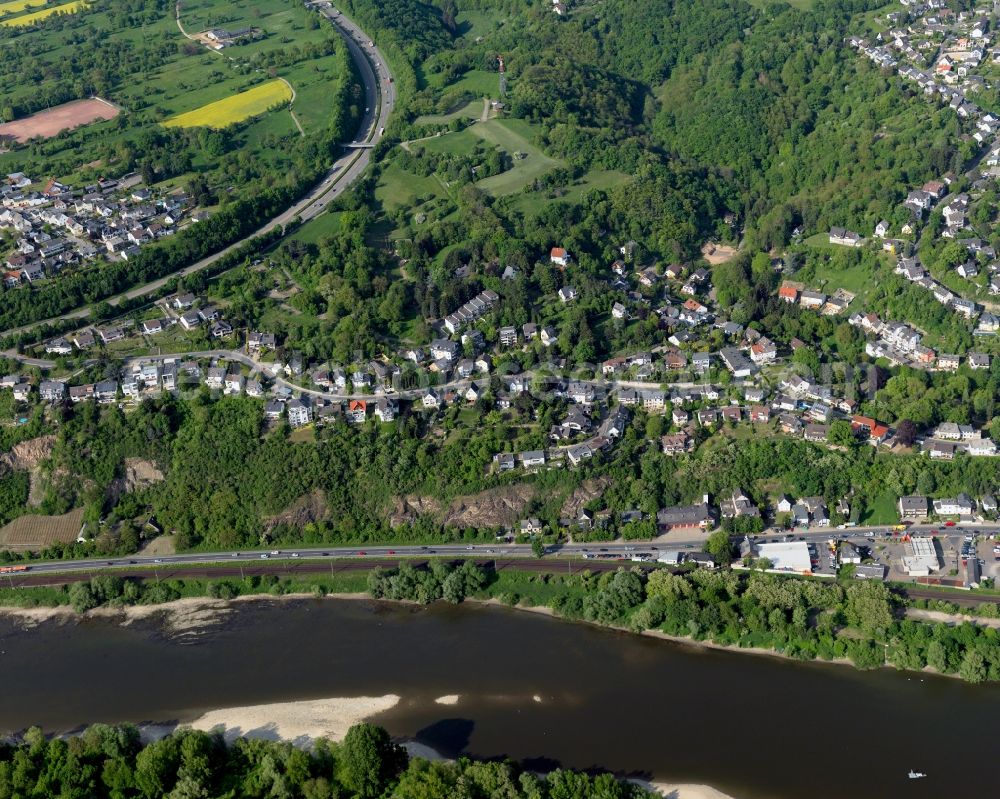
<point>542,691</point>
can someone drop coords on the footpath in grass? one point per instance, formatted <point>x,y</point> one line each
<point>510,135</point>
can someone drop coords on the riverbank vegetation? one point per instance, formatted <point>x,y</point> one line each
<point>112,762</point>
<point>859,621</point>
<point>798,618</point>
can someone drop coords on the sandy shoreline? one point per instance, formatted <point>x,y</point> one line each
<point>302,722</point>
<point>180,614</point>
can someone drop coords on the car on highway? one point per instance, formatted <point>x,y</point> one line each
<point>235,555</point>
<point>264,556</point>
<point>362,552</point>
<point>391,552</point>
<point>157,560</point>
<point>295,554</point>
<point>949,524</point>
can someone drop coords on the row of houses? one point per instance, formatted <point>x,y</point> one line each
<point>57,225</point>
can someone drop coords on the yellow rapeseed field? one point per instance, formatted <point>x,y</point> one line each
<point>235,108</point>
<point>38,16</point>
<point>16,6</point>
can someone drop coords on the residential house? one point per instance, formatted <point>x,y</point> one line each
<point>52,390</point>
<point>788,293</point>
<point>106,391</point>
<point>912,507</point>
<point>737,504</point>
<point>431,399</point>
<point>59,346</point>
<point>508,336</point>
<point>81,393</point>
<point>846,238</point>
<point>532,458</point>
<point>812,299</point>
<point>948,362</point>
<point>736,362</point>
<point>357,411</point>
<point>299,413</point>
<point>816,432</point>
<point>962,505</point>
<point>233,384</point>
<point>559,256</point>
<point>685,516</point>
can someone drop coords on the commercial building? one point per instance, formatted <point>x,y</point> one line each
<point>921,557</point>
<point>792,556</point>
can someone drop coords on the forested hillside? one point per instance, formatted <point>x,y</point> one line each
<point>768,110</point>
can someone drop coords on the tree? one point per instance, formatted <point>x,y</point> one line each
<point>537,546</point>
<point>369,759</point>
<point>841,433</point>
<point>81,597</point>
<point>869,606</point>
<point>906,432</point>
<point>973,668</point>
<point>719,546</point>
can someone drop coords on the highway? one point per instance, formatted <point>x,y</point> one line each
<point>380,99</point>
<point>568,558</point>
<point>495,550</point>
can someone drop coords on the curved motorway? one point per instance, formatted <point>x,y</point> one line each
<point>380,98</point>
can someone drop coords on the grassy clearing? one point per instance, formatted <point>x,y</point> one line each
<point>801,5</point>
<point>473,23</point>
<point>38,16</point>
<point>476,81</point>
<point>236,108</point>
<point>510,135</point>
<point>319,228</point>
<point>533,203</point>
<point>398,188</point>
<point>473,109</point>
<point>881,510</point>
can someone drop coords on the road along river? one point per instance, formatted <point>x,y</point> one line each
<point>520,685</point>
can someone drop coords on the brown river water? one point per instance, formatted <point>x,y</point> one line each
<point>541,691</point>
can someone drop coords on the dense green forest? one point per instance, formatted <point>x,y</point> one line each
<point>105,761</point>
